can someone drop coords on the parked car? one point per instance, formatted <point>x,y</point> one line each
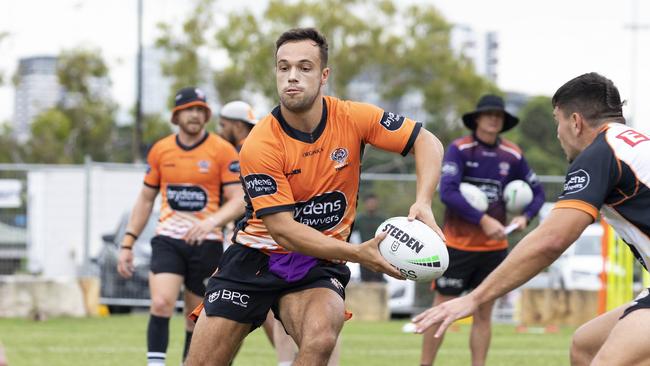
<point>118,293</point>
<point>580,266</point>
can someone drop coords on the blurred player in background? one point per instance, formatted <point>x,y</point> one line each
<point>197,174</point>
<point>300,167</point>
<point>477,240</point>
<point>609,171</point>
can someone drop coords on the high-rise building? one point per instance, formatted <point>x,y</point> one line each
<point>481,49</point>
<point>37,90</point>
<point>155,86</point>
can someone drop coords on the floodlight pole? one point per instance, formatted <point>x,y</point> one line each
<point>137,131</point>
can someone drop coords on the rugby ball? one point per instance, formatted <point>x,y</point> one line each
<point>474,196</point>
<point>517,195</point>
<point>413,248</point>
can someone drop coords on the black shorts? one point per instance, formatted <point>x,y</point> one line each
<point>244,289</point>
<point>194,262</point>
<point>467,270</point>
<point>642,301</point>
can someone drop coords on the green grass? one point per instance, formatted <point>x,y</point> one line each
<point>120,340</point>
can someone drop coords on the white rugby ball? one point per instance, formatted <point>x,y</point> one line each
<point>517,195</point>
<point>413,248</point>
<point>474,196</point>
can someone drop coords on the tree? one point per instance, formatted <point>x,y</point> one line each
<point>408,47</point>
<point>536,134</point>
<point>52,139</point>
<point>155,128</point>
<point>83,122</point>
<point>10,150</point>
<point>184,64</point>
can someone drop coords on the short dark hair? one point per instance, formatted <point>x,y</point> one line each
<point>370,196</point>
<point>301,34</point>
<point>592,95</point>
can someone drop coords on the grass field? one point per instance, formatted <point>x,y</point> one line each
<point>120,340</point>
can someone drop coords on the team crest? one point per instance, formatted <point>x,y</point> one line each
<point>504,168</point>
<point>340,156</point>
<point>394,246</point>
<point>204,166</point>
<point>214,296</point>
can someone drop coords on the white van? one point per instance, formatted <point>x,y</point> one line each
<point>580,266</point>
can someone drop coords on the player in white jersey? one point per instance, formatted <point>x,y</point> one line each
<point>609,171</point>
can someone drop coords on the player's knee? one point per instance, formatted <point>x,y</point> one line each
<point>320,342</point>
<point>581,351</point>
<point>162,306</point>
<point>483,316</point>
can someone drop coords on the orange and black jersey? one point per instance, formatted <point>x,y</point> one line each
<point>314,175</point>
<point>191,180</point>
<point>613,175</point>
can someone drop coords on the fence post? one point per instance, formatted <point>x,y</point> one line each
<point>88,165</point>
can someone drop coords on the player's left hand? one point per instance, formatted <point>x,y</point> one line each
<point>197,233</point>
<point>445,314</point>
<point>423,212</point>
<point>521,221</point>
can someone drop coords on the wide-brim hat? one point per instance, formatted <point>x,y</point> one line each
<point>190,97</point>
<point>238,111</point>
<point>487,103</point>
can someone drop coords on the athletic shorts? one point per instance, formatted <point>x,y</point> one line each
<point>194,262</point>
<point>641,302</point>
<point>243,289</point>
<point>467,270</point>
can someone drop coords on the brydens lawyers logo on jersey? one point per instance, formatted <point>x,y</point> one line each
<point>321,212</point>
<point>260,185</point>
<point>391,121</point>
<point>186,198</point>
<point>575,182</point>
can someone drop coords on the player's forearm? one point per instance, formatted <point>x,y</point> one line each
<point>300,238</point>
<point>230,210</point>
<point>138,219</point>
<point>533,253</point>
<point>428,162</point>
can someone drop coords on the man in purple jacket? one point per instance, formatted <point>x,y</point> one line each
<point>477,240</point>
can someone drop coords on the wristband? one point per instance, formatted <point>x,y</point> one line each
<point>135,237</point>
<point>127,247</point>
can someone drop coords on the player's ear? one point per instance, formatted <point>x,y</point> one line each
<point>325,74</point>
<point>577,122</point>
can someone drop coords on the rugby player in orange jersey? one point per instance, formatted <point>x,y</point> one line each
<point>300,168</point>
<point>197,174</point>
<point>236,120</point>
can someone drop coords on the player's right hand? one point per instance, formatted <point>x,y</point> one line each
<point>370,257</point>
<point>492,228</point>
<point>125,263</point>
